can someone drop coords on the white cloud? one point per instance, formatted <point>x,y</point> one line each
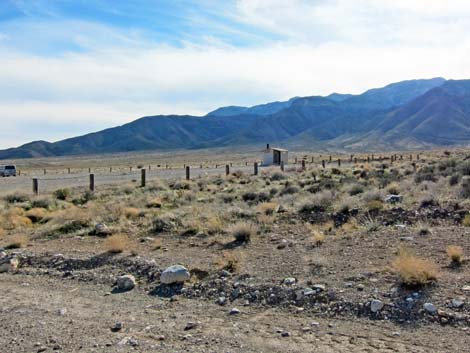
<point>343,45</point>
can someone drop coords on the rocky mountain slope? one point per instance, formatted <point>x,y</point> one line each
<point>406,115</point>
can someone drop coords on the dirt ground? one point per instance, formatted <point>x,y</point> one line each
<point>47,314</point>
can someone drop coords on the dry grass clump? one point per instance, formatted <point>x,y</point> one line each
<point>117,243</point>
<point>267,208</point>
<point>414,270</point>
<point>374,205</point>
<point>16,197</point>
<point>242,231</point>
<point>466,221</point>
<point>15,218</point>
<point>214,224</point>
<point>229,261</point>
<point>155,203</point>
<point>17,241</point>
<point>455,253</point>
<point>131,212</point>
<point>394,188</point>
<point>318,237</point>
<point>36,214</point>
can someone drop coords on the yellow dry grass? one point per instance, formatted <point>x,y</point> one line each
<point>17,241</point>
<point>414,270</point>
<point>455,253</point>
<point>117,243</point>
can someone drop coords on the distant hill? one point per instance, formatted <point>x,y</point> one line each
<point>405,115</point>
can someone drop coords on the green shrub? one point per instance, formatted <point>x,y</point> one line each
<point>62,194</point>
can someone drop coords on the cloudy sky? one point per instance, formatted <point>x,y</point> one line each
<point>69,67</point>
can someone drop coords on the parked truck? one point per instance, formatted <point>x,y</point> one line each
<point>7,170</point>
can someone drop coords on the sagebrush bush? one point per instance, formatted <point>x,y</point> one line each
<point>242,231</point>
<point>466,221</point>
<point>17,197</point>
<point>36,214</point>
<point>414,270</point>
<point>267,208</point>
<point>356,190</point>
<point>62,194</point>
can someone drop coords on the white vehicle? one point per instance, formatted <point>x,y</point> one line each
<point>7,170</point>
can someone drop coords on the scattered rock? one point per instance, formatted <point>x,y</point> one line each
<point>3,254</point>
<point>289,281</point>
<point>285,334</point>
<point>9,266</point>
<point>117,327</point>
<point>466,288</point>
<point>62,311</point>
<point>221,301</point>
<point>125,283</point>
<point>376,305</point>
<point>175,274</point>
<point>457,303</point>
<point>234,311</point>
<point>102,229</point>
<point>430,308</point>
<point>190,325</point>
<point>319,287</point>
<point>393,198</point>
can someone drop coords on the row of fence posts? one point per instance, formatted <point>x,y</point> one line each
<point>143,171</point>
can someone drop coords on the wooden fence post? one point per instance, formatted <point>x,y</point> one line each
<point>255,166</point>
<point>227,169</point>
<point>303,164</point>
<point>142,177</point>
<point>323,163</point>
<point>282,165</point>
<point>339,162</point>
<point>188,175</point>
<point>45,172</point>
<point>35,186</point>
<point>92,182</point>
<point>68,169</point>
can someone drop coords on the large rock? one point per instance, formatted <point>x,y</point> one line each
<point>430,308</point>
<point>175,274</point>
<point>126,282</point>
<point>9,266</point>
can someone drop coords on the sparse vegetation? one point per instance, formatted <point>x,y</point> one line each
<point>242,232</point>
<point>117,243</point>
<point>414,270</point>
<point>455,253</point>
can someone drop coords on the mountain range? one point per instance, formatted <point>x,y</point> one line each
<point>407,115</point>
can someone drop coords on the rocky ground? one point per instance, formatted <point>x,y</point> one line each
<point>301,261</point>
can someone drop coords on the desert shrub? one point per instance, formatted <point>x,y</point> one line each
<point>154,203</point>
<point>163,224</point>
<point>289,190</point>
<point>464,168</point>
<point>414,270</point>
<point>267,208</point>
<point>255,197</point>
<point>425,174</point>
<point>314,188</point>
<point>465,188</point>
<point>17,241</point>
<point>84,198</point>
<point>372,195</point>
<point>320,202</point>
<point>356,190</point>
<point>455,253</point>
<point>374,205</point>
<point>466,221</point>
<point>16,197</point>
<point>318,237</point>
<point>276,176</point>
<point>73,226</point>
<point>131,212</point>
<point>43,202</point>
<point>428,201</point>
<point>214,224</point>
<point>242,231</point>
<point>454,179</point>
<point>229,261</point>
<point>394,189</point>
<point>117,243</point>
<point>36,214</point>
<point>62,194</point>
<point>181,185</point>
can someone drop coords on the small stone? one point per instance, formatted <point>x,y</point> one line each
<point>234,311</point>
<point>285,334</point>
<point>393,198</point>
<point>190,325</point>
<point>466,288</point>
<point>117,327</point>
<point>457,303</point>
<point>125,283</point>
<point>175,274</point>
<point>62,311</point>
<point>10,266</point>
<point>319,287</point>
<point>376,305</point>
<point>315,323</point>
<point>221,301</point>
<point>360,287</point>
<point>430,308</point>
<point>102,229</point>
<point>3,254</point>
<point>289,281</point>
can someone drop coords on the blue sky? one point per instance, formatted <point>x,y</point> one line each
<point>69,67</point>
